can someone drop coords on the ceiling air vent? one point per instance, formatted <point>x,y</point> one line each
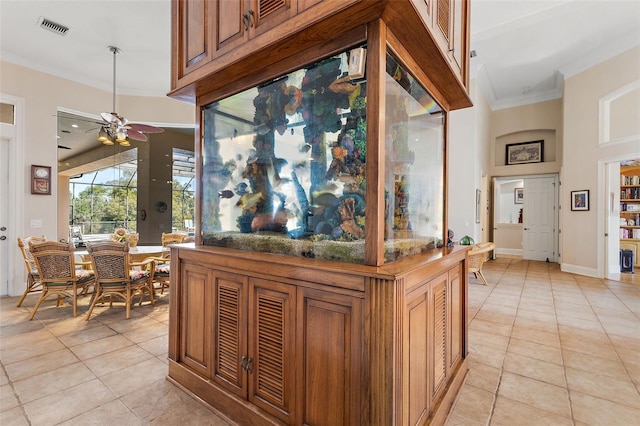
<point>53,26</point>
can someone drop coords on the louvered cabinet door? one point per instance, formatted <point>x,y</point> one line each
<point>230,331</point>
<point>266,14</point>
<point>438,335</point>
<point>270,364</point>
<point>195,318</point>
<point>449,26</point>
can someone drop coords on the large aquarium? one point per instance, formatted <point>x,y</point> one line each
<point>283,164</point>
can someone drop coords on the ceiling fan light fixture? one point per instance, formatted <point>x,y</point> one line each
<point>115,126</point>
<point>121,136</point>
<point>103,135</point>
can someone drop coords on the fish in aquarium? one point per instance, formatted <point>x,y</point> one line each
<point>249,201</point>
<point>241,188</point>
<point>227,193</point>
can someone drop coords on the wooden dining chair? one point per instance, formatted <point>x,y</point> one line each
<point>33,278</point>
<point>162,271</point>
<point>59,273</point>
<point>118,277</point>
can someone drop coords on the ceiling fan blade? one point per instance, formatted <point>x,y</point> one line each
<point>137,136</point>
<point>145,128</point>
<point>108,117</point>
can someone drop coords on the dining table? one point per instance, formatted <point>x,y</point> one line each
<point>136,254</point>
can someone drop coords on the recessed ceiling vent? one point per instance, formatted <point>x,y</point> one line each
<point>53,26</point>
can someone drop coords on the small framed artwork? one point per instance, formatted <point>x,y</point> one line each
<point>580,200</point>
<point>518,196</point>
<point>525,152</point>
<point>41,180</point>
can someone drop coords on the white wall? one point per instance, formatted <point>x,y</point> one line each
<point>585,156</point>
<point>468,161</point>
<point>540,121</point>
<point>44,94</point>
<point>508,211</point>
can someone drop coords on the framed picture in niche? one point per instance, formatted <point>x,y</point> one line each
<point>40,180</point>
<point>525,152</point>
<point>518,196</point>
<point>580,200</point>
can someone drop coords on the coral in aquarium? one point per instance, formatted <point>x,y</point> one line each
<point>300,172</point>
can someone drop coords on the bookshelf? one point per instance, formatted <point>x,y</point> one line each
<point>630,210</point>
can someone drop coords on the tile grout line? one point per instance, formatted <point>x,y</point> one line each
<point>497,391</point>
<point>564,367</point>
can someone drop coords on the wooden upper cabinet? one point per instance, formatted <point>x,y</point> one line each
<point>448,23</point>
<point>192,26</point>
<point>263,15</point>
<point>230,21</point>
<point>205,30</point>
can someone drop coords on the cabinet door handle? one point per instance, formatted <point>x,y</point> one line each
<point>243,362</point>
<point>247,20</point>
<point>248,366</point>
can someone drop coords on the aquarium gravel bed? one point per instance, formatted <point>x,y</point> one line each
<point>344,251</point>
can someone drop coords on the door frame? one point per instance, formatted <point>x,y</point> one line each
<point>609,202</point>
<point>556,204</point>
<point>15,196</point>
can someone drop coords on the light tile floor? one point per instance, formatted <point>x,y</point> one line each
<point>550,348</point>
<point>545,348</point>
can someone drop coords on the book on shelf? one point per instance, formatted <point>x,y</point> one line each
<point>629,180</point>
<point>630,193</point>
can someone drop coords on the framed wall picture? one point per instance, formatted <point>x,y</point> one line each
<point>525,152</point>
<point>580,200</point>
<point>40,180</point>
<point>518,196</point>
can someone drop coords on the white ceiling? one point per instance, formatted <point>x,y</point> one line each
<point>524,49</point>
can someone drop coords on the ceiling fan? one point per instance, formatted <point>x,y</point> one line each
<point>116,128</point>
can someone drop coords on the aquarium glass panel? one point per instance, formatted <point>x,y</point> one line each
<point>283,164</point>
<point>414,165</point>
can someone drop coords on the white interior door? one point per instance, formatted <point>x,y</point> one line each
<point>4,217</point>
<point>539,219</point>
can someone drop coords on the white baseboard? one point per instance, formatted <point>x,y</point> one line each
<point>511,252</point>
<point>580,270</point>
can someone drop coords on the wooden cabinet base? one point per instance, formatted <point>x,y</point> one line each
<point>221,402</point>
<point>264,341</point>
<point>235,410</point>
